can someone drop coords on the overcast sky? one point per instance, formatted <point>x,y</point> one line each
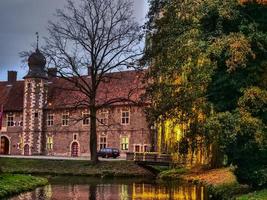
<point>20,19</point>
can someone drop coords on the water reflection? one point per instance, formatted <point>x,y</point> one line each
<point>115,191</point>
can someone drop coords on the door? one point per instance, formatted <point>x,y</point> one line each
<point>26,150</point>
<point>4,145</point>
<point>74,149</point>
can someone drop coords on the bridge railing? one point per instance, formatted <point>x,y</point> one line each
<point>148,156</point>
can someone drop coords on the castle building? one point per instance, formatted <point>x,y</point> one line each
<point>40,117</point>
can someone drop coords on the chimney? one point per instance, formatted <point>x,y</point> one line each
<point>52,72</point>
<point>11,76</point>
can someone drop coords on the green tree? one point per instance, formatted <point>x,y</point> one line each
<point>242,138</point>
<point>207,60</point>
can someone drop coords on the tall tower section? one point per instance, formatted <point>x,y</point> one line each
<point>34,103</point>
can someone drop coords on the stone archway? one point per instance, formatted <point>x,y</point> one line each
<point>26,150</point>
<point>74,149</point>
<point>4,150</point>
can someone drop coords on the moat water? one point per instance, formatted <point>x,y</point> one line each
<point>81,188</point>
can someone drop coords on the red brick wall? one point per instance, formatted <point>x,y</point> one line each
<point>63,136</point>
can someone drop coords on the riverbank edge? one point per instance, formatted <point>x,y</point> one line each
<point>73,168</point>
<point>13,184</point>
<point>220,183</point>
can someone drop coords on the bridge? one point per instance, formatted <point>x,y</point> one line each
<point>149,158</point>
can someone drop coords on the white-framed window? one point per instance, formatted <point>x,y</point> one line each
<point>103,117</point>
<point>49,143</point>
<point>10,120</point>
<point>125,117</point>
<point>102,142</point>
<point>50,119</point>
<point>86,118</point>
<point>124,143</point>
<point>65,119</point>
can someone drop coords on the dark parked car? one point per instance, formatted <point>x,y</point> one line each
<point>109,152</point>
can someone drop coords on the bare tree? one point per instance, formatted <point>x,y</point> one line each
<point>98,37</point>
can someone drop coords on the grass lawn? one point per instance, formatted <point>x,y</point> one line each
<point>11,184</point>
<point>172,174</point>
<point>72,167</point>
<point>257,195</point>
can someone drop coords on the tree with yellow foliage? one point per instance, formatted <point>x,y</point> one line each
<point>206,56</point>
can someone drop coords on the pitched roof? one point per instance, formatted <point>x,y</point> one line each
<point>118,88</point>
<point>11,96</point>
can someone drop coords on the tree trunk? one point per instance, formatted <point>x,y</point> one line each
<point>216,156</point>
<point>93,135</point>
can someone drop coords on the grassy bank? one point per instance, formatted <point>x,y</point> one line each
<point>172,174</point>
<point>11,184</point>
<point>257,195</point>
<point>72,167</point>
<point>221,183</point>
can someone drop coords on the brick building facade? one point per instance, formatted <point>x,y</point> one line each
<point>40,117</point>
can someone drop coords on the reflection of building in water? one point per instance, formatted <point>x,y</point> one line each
<point>43,192</point>
<point>124,193</point>
<point>109,191</point>
<point>74,192</point>
<point>48,192</point>
<point>115,192</point>
<point>157,192</point>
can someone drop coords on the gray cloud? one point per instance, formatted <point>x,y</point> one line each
<point>20,19</point>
